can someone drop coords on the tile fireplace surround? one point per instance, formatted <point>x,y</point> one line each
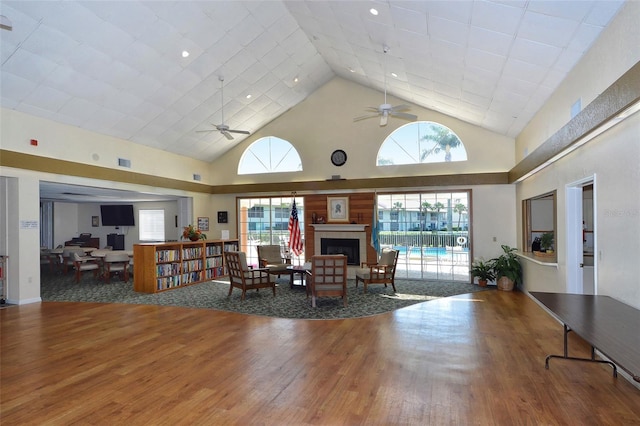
<point>347,231</point>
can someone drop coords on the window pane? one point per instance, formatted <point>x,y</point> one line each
<point>151,225</point>
<point>269,155</point>
<point>421,142</point>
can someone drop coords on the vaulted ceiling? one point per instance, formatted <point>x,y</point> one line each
<point>117,67</point>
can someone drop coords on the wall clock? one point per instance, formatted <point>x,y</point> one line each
<point>338,157</point>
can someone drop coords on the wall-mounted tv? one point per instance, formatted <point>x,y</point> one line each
<point>117,215</point>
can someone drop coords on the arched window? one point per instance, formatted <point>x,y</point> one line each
<point>421,142</point>
<point>269,155</point>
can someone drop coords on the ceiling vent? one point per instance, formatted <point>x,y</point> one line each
<point>197,177</point>
<point>123,162</point>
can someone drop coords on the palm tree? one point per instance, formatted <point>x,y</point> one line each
<point>437,207</point>
<point>459,208</point>
<point>424,208</point>
<point>443,138</point>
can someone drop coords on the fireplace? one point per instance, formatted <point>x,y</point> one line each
<point>350,247</point>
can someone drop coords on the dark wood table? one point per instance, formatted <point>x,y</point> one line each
<point>302,271</point>
<point>608,325</point>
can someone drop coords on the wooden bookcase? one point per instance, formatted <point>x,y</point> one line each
<point>165,266</point>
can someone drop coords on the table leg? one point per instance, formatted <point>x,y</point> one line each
<point>565,355</point>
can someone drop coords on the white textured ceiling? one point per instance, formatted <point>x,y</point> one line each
<point>115,67</point>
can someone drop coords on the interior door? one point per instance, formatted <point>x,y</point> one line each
<point>580,221</point>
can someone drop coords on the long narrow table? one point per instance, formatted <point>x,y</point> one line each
<point>608,325</point>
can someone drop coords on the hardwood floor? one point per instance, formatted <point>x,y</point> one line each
<point>471,359</point>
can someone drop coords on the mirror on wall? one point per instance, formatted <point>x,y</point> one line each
<point>539,215</point>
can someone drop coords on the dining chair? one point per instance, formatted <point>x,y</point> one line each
<point>116,262</point>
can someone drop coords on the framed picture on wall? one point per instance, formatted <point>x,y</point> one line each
<point>338,209</point>
<point>95,221</point>
<point>203,223</point>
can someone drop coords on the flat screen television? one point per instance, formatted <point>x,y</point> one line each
<point>117,215</point>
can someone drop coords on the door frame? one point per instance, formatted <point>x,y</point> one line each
<point>574,239</point>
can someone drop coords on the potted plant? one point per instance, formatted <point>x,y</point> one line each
<point>546,242</point>
<point>483,270</point>
<point>193,234</point>
<point>507,269</point>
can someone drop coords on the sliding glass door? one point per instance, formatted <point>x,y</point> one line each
<point>431,232</point>
<point>265,221</point>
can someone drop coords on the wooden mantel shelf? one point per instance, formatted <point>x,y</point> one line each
<point>339,227</point>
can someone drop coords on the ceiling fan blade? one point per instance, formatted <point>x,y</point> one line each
<point>244,132</point>
<point>364,117</point>
<point>226,134</point>
<point>404,115</point>
<point>400,108</point>
<point>205,131</point>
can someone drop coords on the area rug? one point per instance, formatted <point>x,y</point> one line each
<point>288,302</point>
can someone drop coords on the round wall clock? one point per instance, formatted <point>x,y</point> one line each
<point>338,157</point>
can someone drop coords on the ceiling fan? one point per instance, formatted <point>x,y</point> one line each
<point>385,110</point>
<point>223,128</point>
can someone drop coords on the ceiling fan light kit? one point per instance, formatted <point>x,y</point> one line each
<point>223,128</point>
<point>385,110</point>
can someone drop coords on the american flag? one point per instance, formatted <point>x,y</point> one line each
<point>295,240</point>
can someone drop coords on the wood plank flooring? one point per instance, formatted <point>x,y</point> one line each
<point>472,359</point>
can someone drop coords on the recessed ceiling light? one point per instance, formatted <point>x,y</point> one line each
<point>248,96</point>
<point>295,79</point>
<point>351,69</point>
<point>373,11</point>
<point>185,53</point>
<point>393,74</point>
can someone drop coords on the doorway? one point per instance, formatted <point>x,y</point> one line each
<point>581,236</point>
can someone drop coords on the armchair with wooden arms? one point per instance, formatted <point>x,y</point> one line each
<point>328,277</point>
<point>382,272</point>
<point>270,257</point>
<point>245,278</point>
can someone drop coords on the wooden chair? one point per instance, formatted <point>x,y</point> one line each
<point>84,263</point>
<point>245,278</point>
<point>270,256</point>
<point>116,262</point>
<point>328,277</point>
<point>382,272</point>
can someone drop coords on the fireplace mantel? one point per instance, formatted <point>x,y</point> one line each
<point>339,227</point>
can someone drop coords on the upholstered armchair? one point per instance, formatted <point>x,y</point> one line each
<point>270,257</point>
<point>116,262</point>
<point>382,272</point>
<point>245,278</point>
<point>328,277</point>
<point>83,264</point>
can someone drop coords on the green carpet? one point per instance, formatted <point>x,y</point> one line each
<point>288,303</point>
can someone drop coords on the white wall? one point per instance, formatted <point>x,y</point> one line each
<point>614,157</point>
<point>65,222</point>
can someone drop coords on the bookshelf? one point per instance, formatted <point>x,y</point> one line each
<point>166,266</point>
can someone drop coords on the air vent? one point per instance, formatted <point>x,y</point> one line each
<point>197,177</point>
<point>123,162</point>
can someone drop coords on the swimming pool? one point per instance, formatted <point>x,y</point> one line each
<point>426,251</point>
